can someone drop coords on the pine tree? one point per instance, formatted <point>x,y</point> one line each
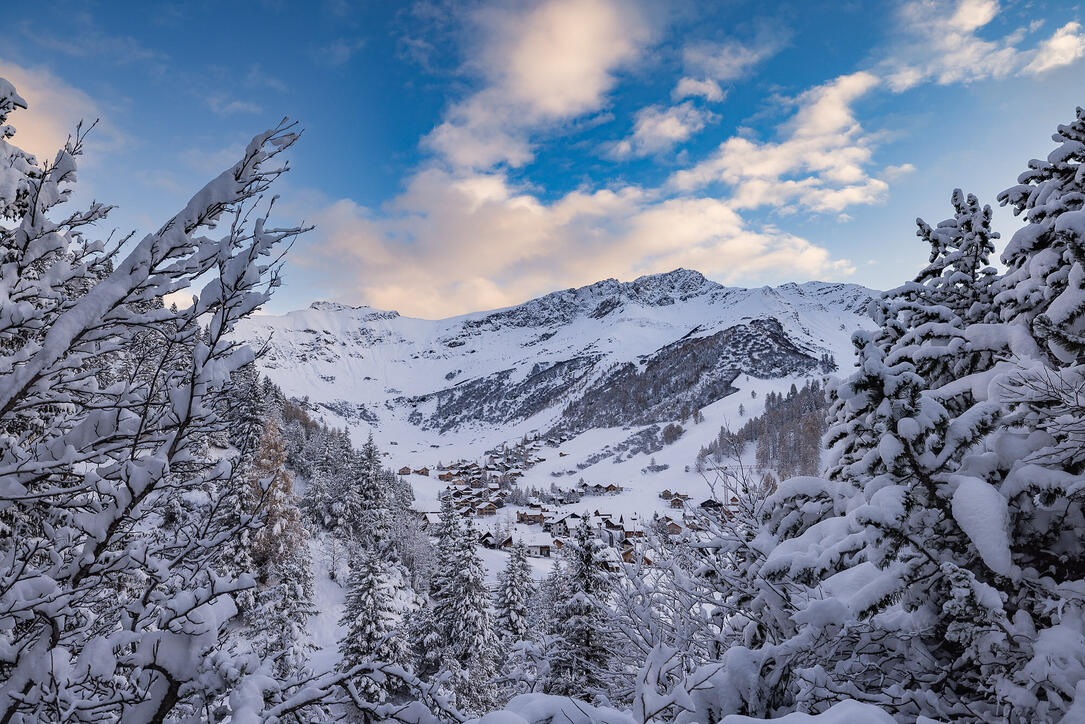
<point>581,652</point>
<point>472,639</point>
<point>544,617</point>
<point>320,494</point>
<point>371,623</point>
<point>366,517</point>
<point>514,597</point>
<point>1049,297</point>
<point>443,586</point>
<point>955,494</point>
<point>282,535</point>
<point>427,645</point>
<point>461,612</point>
<point>277,623</point>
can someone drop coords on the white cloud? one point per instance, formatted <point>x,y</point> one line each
<point>940,43</point>
<point>182,298</point>
<point>54,109</point>
<point>656,129</point>
<point>541,67</point>
<point>733,59</point>
<point>463,236</point>
<point>892,173</point>
<point>1062,48</point>
<point>692,88</point>
<point>222,105</point>
<point>819,164</point>
<point>558,61</point>
<point>457,243</point>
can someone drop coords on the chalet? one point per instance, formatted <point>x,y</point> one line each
<point>422,471</point>
<point>533,516</point>
<point>446,477</point>
<point>430,520</point>
<point>538,546</point>
<point>405,470</point>
<point>563,525</point>
<point>711,505</point>
<point>631,528</point>
<point>666,495</point>
<point>613,489</point>
<point>610,560</point>
<point>677,502</point>
<point>695,523</point>
<point>489,539</point>
<point>611,524</point>
<point>670,526</point>
<point>629,555</point>
<point>487,508</point>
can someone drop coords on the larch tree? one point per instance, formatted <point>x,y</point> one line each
<point>283,601</point>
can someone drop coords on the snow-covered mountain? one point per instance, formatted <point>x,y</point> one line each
<point>604,355</point>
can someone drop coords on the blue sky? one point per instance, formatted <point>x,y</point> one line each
<point>471,155</point>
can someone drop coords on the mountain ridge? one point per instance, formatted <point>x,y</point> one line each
<point>558,361</point>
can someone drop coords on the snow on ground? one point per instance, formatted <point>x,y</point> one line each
<point>328,600</point>
<point>495,561</point>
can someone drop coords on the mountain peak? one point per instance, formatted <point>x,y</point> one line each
<point>323,305</point>
<point>656,289</point>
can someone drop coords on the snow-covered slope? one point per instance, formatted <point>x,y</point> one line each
<point>608,354</point>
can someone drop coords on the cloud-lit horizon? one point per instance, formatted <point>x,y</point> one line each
<point>460,157</point>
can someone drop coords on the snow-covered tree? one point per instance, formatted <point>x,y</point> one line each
<point>427,646</point>
<point>938,571</point>
<point>365,516</point>
<point>282,534</point>
<point>129,612</point>
<point>582,649</point>
<point>1043,288</point>
<point>461,612</point>
<point>442,591</point>
<point>472,638</point>
<point>372,622</point>
<point>282,601</point>
<point>514,593</point>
